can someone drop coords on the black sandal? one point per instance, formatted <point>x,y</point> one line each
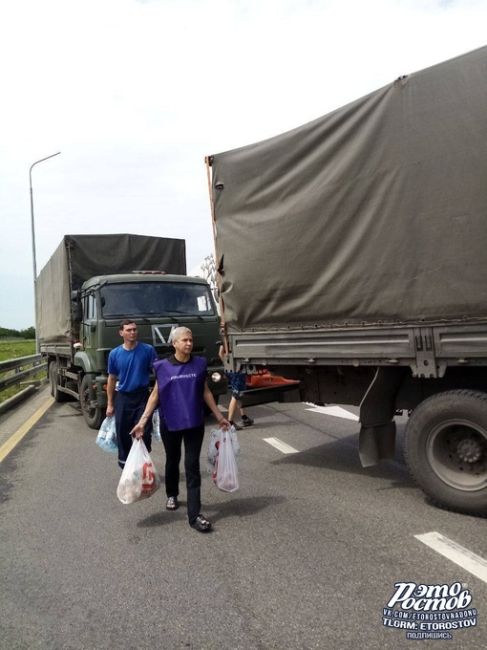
<point>201,524</point>
<point>172,503</point>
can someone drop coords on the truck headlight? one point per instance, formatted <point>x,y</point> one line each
<point>216,377</point>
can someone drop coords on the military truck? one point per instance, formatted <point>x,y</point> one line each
<point>91,283</point>
<point>352,255</point>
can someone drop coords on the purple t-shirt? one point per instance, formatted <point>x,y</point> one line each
<point>180,389</point>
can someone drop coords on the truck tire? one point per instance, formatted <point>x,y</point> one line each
<point>92,413</point>
<point>53,381</point>
<point>446,450</point>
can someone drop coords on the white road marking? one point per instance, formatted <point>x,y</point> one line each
<point>282,446</point>
<point>458,554</point>
<point>336,411</point>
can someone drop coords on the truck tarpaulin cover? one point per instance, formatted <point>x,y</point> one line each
<point>376,212</point>
<point>80,257</point>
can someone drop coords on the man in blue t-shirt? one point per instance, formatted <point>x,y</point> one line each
<point>129,367</point>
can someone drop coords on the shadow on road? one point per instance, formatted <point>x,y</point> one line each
<point>244,507</point>
<point>342,456</point>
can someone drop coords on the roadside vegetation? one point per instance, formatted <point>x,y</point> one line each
<point>28,333</point>
<point>12,346</point>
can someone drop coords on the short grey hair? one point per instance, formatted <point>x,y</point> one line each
<point>179,332</point>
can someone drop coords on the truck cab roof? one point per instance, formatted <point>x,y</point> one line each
<point>142,276</point>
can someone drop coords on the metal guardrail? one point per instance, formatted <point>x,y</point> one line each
<point>23,367</point>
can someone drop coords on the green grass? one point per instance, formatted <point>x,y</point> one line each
<point>13,349</point>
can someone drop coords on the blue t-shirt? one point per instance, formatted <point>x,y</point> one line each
<point>132,367</point>
<point>180,389</point>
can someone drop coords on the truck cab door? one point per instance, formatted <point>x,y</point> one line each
<point>90,321</point>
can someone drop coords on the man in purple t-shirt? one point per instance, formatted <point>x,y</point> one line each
<point>181,390</point>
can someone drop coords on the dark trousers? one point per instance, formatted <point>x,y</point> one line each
<point>193,440</point>
<point>128,411</point>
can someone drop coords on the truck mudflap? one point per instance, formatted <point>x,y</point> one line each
<point>377,443</point>
<point>378,430</point>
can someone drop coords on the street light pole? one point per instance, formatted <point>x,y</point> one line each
<point>34,263</point>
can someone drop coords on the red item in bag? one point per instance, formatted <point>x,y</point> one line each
<point>139,478</point>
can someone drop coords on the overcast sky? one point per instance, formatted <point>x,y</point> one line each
<point>135,93</point>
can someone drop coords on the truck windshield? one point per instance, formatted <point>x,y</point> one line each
<point>155,299</point>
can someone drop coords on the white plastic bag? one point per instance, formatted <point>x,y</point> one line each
<point>233,437</point>
<point>214,444</point>
<point>156,426</point>
<point>226,467</point>
<point>107,435</point>
<point>139,478</point>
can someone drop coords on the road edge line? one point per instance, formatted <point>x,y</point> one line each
<point>17,436</point>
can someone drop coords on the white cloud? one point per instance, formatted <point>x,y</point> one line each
<point>135,93</point>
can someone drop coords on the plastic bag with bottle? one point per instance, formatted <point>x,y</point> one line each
<point>107,435</point>
<point>156,426</point>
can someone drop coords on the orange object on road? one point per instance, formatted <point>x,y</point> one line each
<point>266,378</point>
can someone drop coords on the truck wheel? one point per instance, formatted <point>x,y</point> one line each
<point>446,450</point>
<point>92,413</point>
<point>53,381</point>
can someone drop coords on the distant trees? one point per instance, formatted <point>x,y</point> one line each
<point>29,333</point>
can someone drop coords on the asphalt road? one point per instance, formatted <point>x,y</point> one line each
<point>305,555</point>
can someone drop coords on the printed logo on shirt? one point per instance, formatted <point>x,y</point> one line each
<point>188,375</point>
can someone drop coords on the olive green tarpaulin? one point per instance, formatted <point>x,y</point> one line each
<point>81,257</point>
<point>376,212</point>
